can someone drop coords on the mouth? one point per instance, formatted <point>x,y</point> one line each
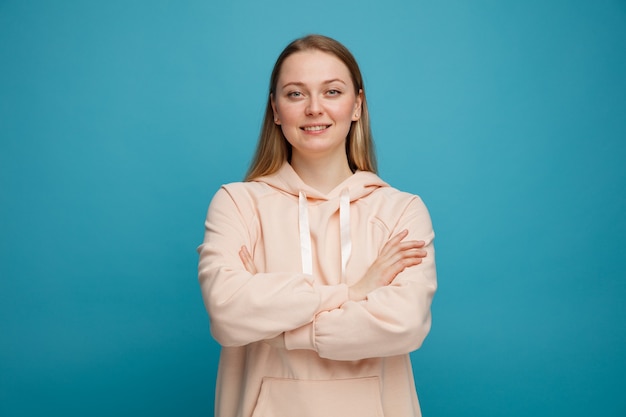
<point>315,128</point>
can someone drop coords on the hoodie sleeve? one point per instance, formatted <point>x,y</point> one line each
<point>244,308</point>
<point>393,320</point>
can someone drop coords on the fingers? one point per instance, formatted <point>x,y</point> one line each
<point>397,242</point>
<point>394,241</point>
<point>414,247</point>
<point>396,249</point>
<point>403,259</point>
<point>406,256</point>
<point>397,255</point>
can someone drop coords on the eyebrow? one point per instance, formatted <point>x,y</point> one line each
<point>301,84</point>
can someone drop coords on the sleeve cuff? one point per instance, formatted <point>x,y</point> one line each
<point>331,297</point>
<point>300,338</point>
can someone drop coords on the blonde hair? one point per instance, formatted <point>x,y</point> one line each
<point>273,149</point>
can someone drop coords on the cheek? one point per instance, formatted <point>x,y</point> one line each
<point>288,114</point>
<point>289,121</point>
<point>345,111</point>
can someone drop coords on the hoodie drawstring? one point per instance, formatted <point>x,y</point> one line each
<point>305,235</point>
<point>306,251</point>
<point>344,224</point>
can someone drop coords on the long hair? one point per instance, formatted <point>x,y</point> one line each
<point>273,149</point>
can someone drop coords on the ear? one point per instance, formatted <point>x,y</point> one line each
<point>276,119</point>
<point>358,106</point>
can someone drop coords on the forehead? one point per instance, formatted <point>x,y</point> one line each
<point>312,67</point>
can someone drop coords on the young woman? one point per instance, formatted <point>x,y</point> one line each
<point>317,276</point>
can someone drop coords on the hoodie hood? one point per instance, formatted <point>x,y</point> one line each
<point>359,185</point>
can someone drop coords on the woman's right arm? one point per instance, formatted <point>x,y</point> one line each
<point>244,307</point>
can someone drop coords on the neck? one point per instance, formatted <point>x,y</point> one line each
<point>322,174</point>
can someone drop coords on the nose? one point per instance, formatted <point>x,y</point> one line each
<point>314,107</point>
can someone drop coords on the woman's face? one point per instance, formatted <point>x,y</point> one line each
<point>315,103</point>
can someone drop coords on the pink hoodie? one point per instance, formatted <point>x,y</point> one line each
<point>342,358</point>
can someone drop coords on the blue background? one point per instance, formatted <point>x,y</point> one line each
<point>120,119</point>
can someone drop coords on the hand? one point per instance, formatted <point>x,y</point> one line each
<point>246,258</point>
<point>393,259</point>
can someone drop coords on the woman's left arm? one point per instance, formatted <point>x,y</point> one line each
<point>392,320</point>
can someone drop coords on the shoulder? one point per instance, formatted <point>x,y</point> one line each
<point>247,188</point>
<point>383,191</point>
<point>238,197</point>
<point>244,189</point>
<point>398,209</point>
<point>397,201</point>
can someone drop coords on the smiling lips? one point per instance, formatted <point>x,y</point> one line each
<point>316,128</point>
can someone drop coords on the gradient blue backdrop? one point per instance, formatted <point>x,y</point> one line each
<point>120,119</point>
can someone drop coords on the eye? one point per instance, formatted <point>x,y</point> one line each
<point>294,94</point>
<point>333,92</point>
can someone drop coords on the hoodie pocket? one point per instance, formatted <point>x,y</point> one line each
<point>319,398</point>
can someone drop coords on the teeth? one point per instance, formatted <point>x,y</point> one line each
<point>314,128</point>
